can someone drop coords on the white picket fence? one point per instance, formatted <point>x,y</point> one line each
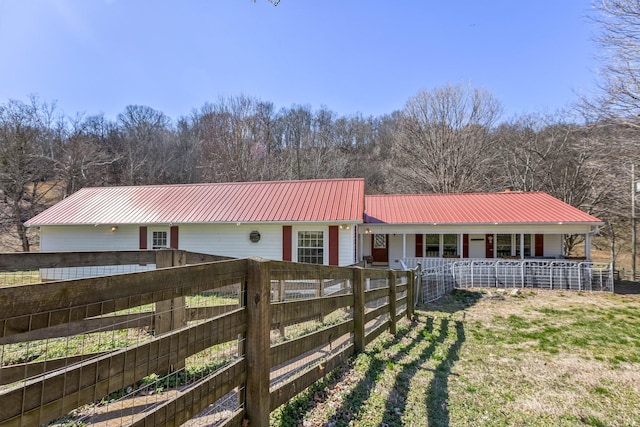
<point>441,275</point>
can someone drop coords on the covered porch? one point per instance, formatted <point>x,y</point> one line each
<point>387,245</point>
<point>505,225</point>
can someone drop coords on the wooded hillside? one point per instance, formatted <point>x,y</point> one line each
<point>449,139</point>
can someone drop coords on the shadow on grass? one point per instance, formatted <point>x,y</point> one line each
<point>437,392</point>
<point>394,411</point>
<point>379,360</point>
<point>455,301</point>
<point>356,398</point>
<point>626,287</point>
<point>294,411</point>
<point>437,399</point>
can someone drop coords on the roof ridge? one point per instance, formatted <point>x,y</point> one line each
<point>488,193</point>
<point>194,184</point>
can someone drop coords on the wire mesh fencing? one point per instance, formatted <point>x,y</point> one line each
<point>156,350</point>
<point>306,286</point>
<point>444,275</point>
<point>179,342</point>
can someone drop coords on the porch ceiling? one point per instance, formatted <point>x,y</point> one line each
<point>539,228</point>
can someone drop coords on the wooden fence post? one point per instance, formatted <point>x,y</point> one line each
<point>393,301</point>
<point>418,296</point>
<point>320,292</point>
<point>411,283</point>
<point>358,309</point>
<point>258,343</point>
<point>171,314</point>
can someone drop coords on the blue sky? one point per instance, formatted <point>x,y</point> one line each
<point>352,56</point>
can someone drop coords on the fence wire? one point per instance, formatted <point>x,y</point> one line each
<point>170,339</point>
<point>218,413</point>
<point>292,289</point>
<point>440,276</point>
<point>36,354</point>
<point>13,278</point>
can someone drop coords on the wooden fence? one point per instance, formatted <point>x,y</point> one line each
<point>214,341</point>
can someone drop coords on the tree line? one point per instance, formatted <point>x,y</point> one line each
<point>450,139</point>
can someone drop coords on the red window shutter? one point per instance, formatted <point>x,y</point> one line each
<point>419,245</point>
<point>465,246</point>
<point>174,237</point>
<point>539,243</point>
<point>286,242</point>
<point>489,245</point>
<point>333,245</point>
<point>143,237</point>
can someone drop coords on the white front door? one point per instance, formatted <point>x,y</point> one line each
<point>477,248</point>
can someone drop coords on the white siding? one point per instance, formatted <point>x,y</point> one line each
<point>346,245</point>
<point>366,244</point>
<point>395,251</point>
<point>89,238</point>
<point>552,245</point>
<point>411,245</point>
<point>217,239</point>
<point>232,240</point>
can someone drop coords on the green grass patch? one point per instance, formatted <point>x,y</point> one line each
<point>567,359</point>
<point>16,278</point>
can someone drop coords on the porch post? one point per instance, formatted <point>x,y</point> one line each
<point>441,245</point>
<point>361,238</point>
<point>460,244</point>
<point>587,246</point>
<point>521,245</point>
<point>495,245</point>
<point>404,245</point>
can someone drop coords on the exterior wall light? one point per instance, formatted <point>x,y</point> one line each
<point>367,230</point>
<point>114,227</point>
<point>344,227</point>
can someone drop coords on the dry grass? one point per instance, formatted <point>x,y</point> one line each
<point>492,359</point>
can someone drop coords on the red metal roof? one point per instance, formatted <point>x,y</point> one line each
<point>477,208</point>
<point>267,201</point>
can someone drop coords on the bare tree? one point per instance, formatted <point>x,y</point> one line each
<point>185,152</point>
<point>295,128</point>
<point>619,95</point>
<point>82,156</point>
<point>25,165</point>
<point>235,137</point>
<point>146,135</point>
<point>443,139</point>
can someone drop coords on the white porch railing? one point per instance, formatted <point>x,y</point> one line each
<point>441,275</point>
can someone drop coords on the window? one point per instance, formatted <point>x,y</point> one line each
<point>527,245</point>
<point>379,241</point>
<point>503,245</point>
<point>432,245</point>
<point>311,247</point>
<point>450,245</point>
<point>159,240</point>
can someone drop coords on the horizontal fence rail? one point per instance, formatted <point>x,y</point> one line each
<point>441,275</point>
<point>197,339</point>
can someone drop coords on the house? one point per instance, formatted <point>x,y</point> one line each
<point>477,225</point>
<point>305,221</point>
<point>328,221</point>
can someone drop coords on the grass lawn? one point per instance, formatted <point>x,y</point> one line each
<point>474,358</point>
